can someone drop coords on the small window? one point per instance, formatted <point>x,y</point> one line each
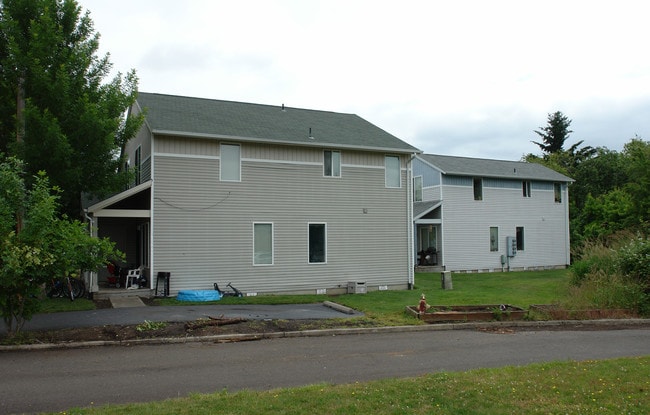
<point>138,165</point>
<point>520,238</point>
<point>525,188</point>
<point>263,244</point>
<point>393,175</point>
<point>317,243</point>
<point>417,189</point>
<point>230,163</point>
<point>494,239</point>
<point>557,190</point>
<point>478,188</point>
<point>332,163</point>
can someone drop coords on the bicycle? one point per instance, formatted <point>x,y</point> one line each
<point>66,287</point>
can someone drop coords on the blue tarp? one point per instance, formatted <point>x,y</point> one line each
<point>198,295</point>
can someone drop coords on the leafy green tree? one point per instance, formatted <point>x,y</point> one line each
<point>606,214</point>
<point>596,176</point>
<point>55,112</point>
<point>637,162</point>
<point>43,247</point>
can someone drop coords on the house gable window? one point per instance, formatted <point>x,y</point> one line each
<point>478,188</point>
<point>525,188</point>
<point>392,168</point>
<point>494,239</point>
<point>332,163</point>
<point>317,243</point>
<point>520,238</point>
<point>557,190</point>
<point>230,163</point>
<point>138,165</point>
<point>417,189</point>
<point>262,244</point>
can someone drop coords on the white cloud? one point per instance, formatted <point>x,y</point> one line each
<point>465,77</point>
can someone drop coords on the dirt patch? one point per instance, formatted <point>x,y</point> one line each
<point>197,328</point>
<point>178,330</point>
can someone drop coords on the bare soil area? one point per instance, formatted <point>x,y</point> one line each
<point>197,328</point>
<point>215,326</point>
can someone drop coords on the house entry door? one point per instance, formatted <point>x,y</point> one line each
<point>428,238</point>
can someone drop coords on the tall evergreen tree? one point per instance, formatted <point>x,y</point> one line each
<point>56,113</point>
<point>555,133</point>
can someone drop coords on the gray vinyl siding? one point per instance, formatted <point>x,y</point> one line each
<point>204,227</point>
<point>467,222</point>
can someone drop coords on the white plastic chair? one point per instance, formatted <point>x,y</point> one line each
<point>132,279</point>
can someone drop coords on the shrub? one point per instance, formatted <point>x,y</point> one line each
<point>633,260</point>
<point>594,256</point>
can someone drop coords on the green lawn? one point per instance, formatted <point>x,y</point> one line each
<point>387,307</point>
<point>516,288</point>
<point>592,387</point>
<point>607,387</point>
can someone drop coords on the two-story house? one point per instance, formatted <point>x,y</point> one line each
<point>484,215</point>
<point>270,198</point>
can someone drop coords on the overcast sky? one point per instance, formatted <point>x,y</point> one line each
<point>461,77</point>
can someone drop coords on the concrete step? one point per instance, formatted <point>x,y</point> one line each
<point>108,293</point>
<point>124,302</point>
<point>429,268</point>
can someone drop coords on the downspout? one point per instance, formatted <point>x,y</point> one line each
<point>91,276</point>
<point>567,226</point>
<point>409,210</point>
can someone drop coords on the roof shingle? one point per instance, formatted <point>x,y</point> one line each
<point>466,166</point>
<point>187,116</point>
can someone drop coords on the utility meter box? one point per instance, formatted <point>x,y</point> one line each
<point>511,246</point>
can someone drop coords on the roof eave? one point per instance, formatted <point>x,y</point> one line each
<point>313,143</point>
<point>119,197</point>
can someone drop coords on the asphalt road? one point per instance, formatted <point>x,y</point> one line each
<point>56,380</point>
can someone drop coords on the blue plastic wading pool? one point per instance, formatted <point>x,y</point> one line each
<point>198,295</point>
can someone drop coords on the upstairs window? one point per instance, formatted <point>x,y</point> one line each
<point>478,188</point>
<point>525,188</point>
<point>332,163</point>
<point>557,190</point>
<point>138,165</point>
<point>392,166</point>
<point>230,162</point>
<point>417,189</point>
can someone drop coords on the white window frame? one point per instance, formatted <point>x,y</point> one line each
<point>226,161</point>
<point>324,261</point>
<point>255,253</point>
<point>138,165</point>
<point>526,188</point>
<point>417,189</point>
<point>389,172</point>
<point>477,187</point>
<point>557,192</point>
<point>520,234</point>
<point>334,163</point>
<point>494,243</point>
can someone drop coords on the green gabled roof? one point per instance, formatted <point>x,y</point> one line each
<point>199,117</point>
<point>466,166</point>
